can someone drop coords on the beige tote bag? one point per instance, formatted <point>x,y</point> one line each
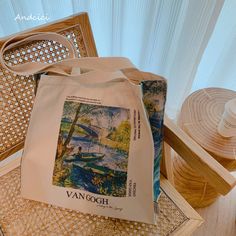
<point>89,145</point>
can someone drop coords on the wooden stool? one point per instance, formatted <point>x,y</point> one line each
<point>200,114</point>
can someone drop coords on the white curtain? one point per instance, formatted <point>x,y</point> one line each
<point>218,65</point>
<point>178,39</point>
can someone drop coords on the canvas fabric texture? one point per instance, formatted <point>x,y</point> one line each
<point>89,145</point>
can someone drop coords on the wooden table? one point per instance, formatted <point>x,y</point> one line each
<point>220,217</point>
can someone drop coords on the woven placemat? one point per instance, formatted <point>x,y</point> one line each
<point>23,217</point>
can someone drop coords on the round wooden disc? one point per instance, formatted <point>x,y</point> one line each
<point>200,115</point>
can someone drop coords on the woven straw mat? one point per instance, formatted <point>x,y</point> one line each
<point>22,217</point>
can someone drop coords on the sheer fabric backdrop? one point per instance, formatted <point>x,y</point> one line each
<point>190,42</point>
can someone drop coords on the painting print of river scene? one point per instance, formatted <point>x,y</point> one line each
<point>93,149</point>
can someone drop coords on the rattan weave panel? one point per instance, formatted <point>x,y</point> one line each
<point>17,92</point>
<point>25,217</point>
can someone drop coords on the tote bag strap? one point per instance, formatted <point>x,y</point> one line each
<point>63,67</point>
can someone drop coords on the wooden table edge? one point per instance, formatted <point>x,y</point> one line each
<point>194,219</point>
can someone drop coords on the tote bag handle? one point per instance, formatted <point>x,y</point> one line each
<point>63,67</point>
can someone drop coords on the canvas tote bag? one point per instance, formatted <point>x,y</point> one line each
<point>89,144</point>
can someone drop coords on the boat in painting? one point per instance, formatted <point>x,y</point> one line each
<point>85,157</point>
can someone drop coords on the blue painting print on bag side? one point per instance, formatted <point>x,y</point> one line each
<point>154,98</point>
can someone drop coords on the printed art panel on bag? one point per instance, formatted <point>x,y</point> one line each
<point>154,98</point>
<point>93,149</point>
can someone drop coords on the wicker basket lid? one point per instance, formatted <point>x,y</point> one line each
<point>201,112</point>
